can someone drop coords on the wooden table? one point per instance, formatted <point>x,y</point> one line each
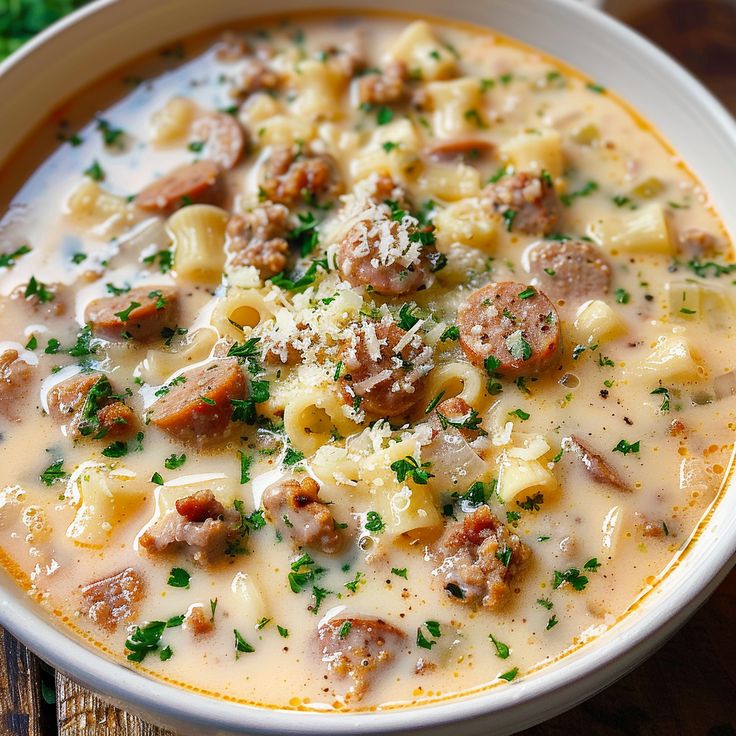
<point>687,689</point>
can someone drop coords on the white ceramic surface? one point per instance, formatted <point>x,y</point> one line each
<point>99,38</point>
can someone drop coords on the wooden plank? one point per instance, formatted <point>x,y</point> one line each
<point>20,693</point>
<point>80,713</point>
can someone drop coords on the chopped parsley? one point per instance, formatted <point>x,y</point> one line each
<point>527,293</point>
<point>622,296</point>
<point>174,461</point>
<point>54,472</point>
<point>7,260</point>
<point>353,584</point>
<point>585,191</point>
<point>572,576</point>
<point>433,629</point>
<point>625,447</point>
<point>519,413</point>
<point>95,171</point>
<point>532,503</point>
<point>241,645</point>
<point>38,289</point>
<point>304,236</point>
<point>664,392</point>
<point>178,578</point>
<point>400,572</point>
<point>510,675</point>
<point>451,333</point>
<point>435,401</point>
<point>374,522</point>
<point>502,650</point>
<point>409,467</point>
<point>245,463</point>
<point>517,345</point>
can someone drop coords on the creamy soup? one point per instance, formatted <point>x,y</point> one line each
<point>355,362</point>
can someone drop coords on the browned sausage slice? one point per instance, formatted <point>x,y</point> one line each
<point>358,648</point>
<point>378,255</point>
<point>573,270</point>
<point>513,323</point>
<point>90,413</point>
<point>200,408</point>
<point>594,464</point>
<point>139,314</point>
<point>195,182</point>
<point>380,377</point>
<point>114,599</point>
<point>458,414</point>
<point>527,203</point>
<point>479,559</point>
<point>296,510</point>
<point>224,137</point>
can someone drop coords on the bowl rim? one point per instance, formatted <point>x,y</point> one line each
<point>585,675</point>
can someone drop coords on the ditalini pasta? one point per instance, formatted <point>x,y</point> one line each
<point>354,363</point>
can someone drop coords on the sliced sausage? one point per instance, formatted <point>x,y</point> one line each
<point>114,599</point>
<point>598,469</point>
<point>258,238</point>
<point>386,255</point>
<point>522,334</point>
<point>295,509</point>
<point>84,404</point>
<point>479,559</point>
<point>15,377</point>
<point>205,537</point>
<point>139,314</point>
<point>527,203</point>
<point>573,270</point>
<point>358,649</point>
<point>386,87</point>
<point>469,146</point>
<point>292,176</point>
<point>224,136</point>
<point>44,300</point>
<point>200,408</point>
<point>197,182</point>
<point>383,372</point>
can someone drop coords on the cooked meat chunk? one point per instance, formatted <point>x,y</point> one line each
<point>513,324</point>
<point>297,512</point>
<point>388,255</point>
<point>598,469</point>
<point>383,372</point>
<point>573,271</point>
<point>44,300</point>
<point>253,77</point>
<point>469,147</point>
<point>139,314</point>
<point>456,412</point>
<point>258,238</point>
<point>224,138</point>
<point>385,188</point>
<point>84,405</point>
<point>200,408</point>
<point>386,87</point>
<point>358,649</point>
<point>201,525</point>
<point>232,47</point>
<point>198,622</point>
<point>114,599</point>
<point>15,377</point>
<point>697,243</point>
<point>197,182</point>
<point>527,203</point>
<point>199,507</point>
<point>479,559</point>
<point>117,420</point>
<point>292,176</point>
<point>652,529</point>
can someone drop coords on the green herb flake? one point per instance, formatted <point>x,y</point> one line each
<point>178,578</point>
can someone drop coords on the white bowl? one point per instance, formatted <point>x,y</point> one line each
<point>96,40</point>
